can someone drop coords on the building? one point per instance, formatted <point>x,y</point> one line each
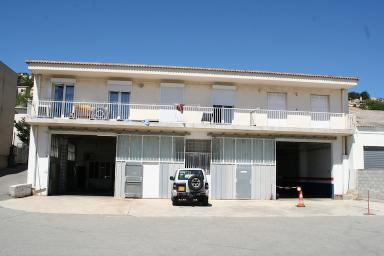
<point>123,129</point>
<point>8,79</point>
<point>24,84</point>
<point>367,154</point>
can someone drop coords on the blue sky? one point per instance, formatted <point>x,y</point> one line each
<point>327,37</point>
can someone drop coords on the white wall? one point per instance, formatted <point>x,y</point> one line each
<point>361,139</point>
<point>338,173</point>
<point>38,164</point>
<point>198,94</point>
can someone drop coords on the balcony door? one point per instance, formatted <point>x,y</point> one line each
<point>170,96</point>
<point>119,105</point>
<point>320,111</point>
<point>63,96</point>
<point>223,101</point>
<point>277,106</point>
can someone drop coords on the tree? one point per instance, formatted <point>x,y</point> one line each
<point>374,105</point>
<point>23,129</point>
<point>22,99</point>
<point>24,79</point>
<point>365,95</point>
<point>353,95</point>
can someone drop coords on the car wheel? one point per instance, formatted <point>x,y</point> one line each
<point>195,183</point>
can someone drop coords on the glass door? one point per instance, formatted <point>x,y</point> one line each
<point>119,105</point>
<point>64,94</point>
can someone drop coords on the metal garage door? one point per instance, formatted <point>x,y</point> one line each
<point>373,157</point>
<point>133,180</point>
<point>243,181</point>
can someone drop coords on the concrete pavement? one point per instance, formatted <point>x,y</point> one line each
<point>163,208</point>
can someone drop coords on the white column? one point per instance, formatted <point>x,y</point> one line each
<point>38,163</point>
<point>337,167</point>
<point>36,87</point>
<point>32,156</point>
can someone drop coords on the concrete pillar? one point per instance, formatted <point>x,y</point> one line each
<point>32,155</point>
<point>36,87</point>
<point>38,165</point>
<point>337,167</point>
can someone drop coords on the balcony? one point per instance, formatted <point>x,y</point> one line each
<point>194,116</point>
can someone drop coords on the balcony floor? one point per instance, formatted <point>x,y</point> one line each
<point>182,127</point>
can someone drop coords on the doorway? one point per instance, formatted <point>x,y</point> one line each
<point>304,164</point>
<point>82,165</point>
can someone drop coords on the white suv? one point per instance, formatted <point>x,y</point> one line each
<point>190,184</point>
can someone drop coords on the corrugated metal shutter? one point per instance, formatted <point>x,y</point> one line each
<point>277,101</point>
<point>319,103</point>
<point>373,157</point>
<point>223,97</point>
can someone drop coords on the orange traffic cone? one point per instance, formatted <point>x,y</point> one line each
<point>301,198</point>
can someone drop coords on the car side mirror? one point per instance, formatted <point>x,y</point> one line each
<point>171,178</point>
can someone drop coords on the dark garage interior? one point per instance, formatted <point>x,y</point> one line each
<point>304,164</point>
<point>82,165</point>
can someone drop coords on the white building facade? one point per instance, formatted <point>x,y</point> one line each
<point>123,129</point>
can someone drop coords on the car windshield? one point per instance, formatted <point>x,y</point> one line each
<point>186,174</point>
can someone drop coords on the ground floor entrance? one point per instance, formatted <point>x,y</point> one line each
<point>139,165</point>
<point>304,164</point>
<point>82,165</point>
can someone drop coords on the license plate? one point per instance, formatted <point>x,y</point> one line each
<point>181,189</point>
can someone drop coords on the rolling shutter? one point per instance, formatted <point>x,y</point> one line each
<point>373,157</point>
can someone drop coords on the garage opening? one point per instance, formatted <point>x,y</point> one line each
<point>304,164</point>
<point>82,165</point>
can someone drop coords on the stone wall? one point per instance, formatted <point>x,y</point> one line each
<point>372,180</point>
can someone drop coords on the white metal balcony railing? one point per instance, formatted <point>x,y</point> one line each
<point>189,114</point>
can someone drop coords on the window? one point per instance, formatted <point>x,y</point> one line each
<point>135,147</point>
<point>151,148</point>
<point>243,150</point>
<point>186,174</point>
<point>166,148</point>
<point>258,151</point>
<point>269,151</point>
<point>178,149</point>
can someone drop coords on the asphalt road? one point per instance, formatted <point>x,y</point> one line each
<point>23,233</point>
<point>51,234</point>
<point>11,176</point>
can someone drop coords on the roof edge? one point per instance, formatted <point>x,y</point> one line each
<point>191,68</point>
